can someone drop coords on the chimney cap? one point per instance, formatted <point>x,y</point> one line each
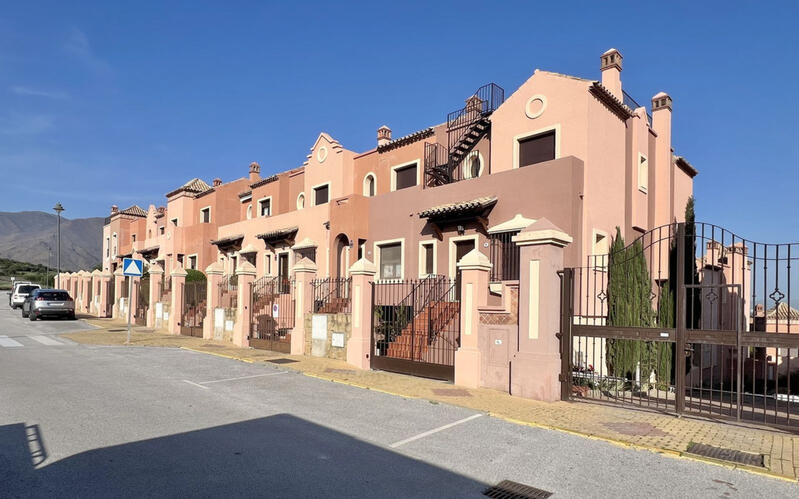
<point>661,100</point>
<point>383,135</point>
<point>217,182</point>
<point>255,167</point>
<point>114,208</point>
<point>384,127</point>
<point>611,58</point>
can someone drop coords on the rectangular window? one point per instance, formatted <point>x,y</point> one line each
<point>643,173</point>
<point>193,262</point>
<point>321,195</point>
<point>161,230</point>
<point>205,215</point>
<point>174,222</point>
<point>107,247</point>
<point>429,267</point>
<point>309,253</point>
<point>133,238</point>
<point>264,207</point>
<point>537,149</point>
<point>391,261</point>
<point>405,177</point>
<point>267,264</point>
<point>599,250</point>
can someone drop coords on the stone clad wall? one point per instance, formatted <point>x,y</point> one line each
<point>336,323</point>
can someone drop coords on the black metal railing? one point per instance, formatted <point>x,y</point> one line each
<point>331,295</point>
<point>633,104</point>
<point>504,255</point>
<point>228,292</point>
<point>484,101</point>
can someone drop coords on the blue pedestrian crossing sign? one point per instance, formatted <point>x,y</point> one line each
<point>132,267</point>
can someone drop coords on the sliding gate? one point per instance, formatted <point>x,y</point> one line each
<point>416,327</point>
<point>688,318</point>
<point>272,314</point>
<point>194,308</point>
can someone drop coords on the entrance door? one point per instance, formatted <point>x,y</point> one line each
<point>283,272</point>
<point>461,248</point>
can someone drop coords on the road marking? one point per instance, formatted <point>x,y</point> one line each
<point>44,340</point>
<point>5,341</point>
<point>434,430</point>
<point>242,377</point>
<point>195,384</point>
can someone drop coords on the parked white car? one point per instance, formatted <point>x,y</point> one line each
<point>21,291</point>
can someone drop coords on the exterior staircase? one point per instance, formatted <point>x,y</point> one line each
<point>335,306</point>
<point>415,338</point>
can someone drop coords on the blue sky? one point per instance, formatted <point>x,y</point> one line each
<point>105,103</point>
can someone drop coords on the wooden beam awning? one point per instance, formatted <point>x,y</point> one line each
<point>475,210</point>
<point>275,237</point>
<point>230,243</point>
<point>150,252</point>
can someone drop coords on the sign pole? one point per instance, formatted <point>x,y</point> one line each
<point>130,294</point>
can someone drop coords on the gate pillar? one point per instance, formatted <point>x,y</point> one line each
<point>536,366</point>
<point>85,297</point>
<point>156,273</point>
<point>105,280</point>
<point>241,330</point>
<point>95,299</point>
<point>133,299</point>
<point>119,281</point>
<point>474,268</point>
<point>213,274</point>
<point>304,273</point>
<point>178,276</point>
<point>359,345</point>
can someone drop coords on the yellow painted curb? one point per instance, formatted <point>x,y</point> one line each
<point>356,385</point>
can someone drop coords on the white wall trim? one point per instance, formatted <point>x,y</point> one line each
<point>421,267</point>
<point>642,186</point>
<point>329,192</point>
<point>376,250</point>
<point>394,169</point>
<point>301,196</point>
<point>467,173</point>
<point>534,300</point>
<point>209,213</point>
<point>363,187</point>
<point>258,206</point>
<point>187,257</point>
<point>532,133</point>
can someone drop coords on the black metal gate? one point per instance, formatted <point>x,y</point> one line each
<point>194,308</point>
<point>142,301</point>
<point>689,318</point>
<point>416,327</point>
<point>272,314</point>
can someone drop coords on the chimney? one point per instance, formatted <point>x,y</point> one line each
<point>474,103</point>
<point>664,180</point>
<point>661,115</point>
<point>610,64</point>
<point>383,135</point>
<point>217,182</point>
<point>255,172</point>
<point>114,209</point>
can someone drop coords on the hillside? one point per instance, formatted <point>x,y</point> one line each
<point>26,235</point>
<point>22,271</point>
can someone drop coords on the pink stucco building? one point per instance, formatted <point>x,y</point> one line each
<point>574,157</point>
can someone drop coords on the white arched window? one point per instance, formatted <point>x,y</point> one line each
<point>369,185</point>
<point>249,212</point>
<point>114,245</point>
<point>301,201</point>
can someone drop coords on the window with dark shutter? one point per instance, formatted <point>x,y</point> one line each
<point>428,259</point>
<point>322,195</point>
<point>406,176</point>
<point>537,149</point>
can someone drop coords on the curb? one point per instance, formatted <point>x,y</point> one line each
<point>248,361</point>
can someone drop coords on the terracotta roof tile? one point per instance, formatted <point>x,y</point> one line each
<point>459,207</point>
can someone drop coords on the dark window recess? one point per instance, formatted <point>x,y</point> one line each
<point>428,259</point>
<point>309,253</point>
<point>406,176</point>
<point>206,215</point>
<point>322,194</point>
<point>504,256</point>
<point>537,149</point>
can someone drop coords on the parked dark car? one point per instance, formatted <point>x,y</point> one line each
<point>48,303</point>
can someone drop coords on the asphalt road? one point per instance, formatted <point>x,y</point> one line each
<point>90,421</point>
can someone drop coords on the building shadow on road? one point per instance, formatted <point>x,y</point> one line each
<point>276,456</point>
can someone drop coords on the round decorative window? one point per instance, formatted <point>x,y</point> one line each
<point>535,106</point>
<point>321,154</point>
<point>473,165</point>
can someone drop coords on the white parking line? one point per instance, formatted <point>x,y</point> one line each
<point>5,341</point>
<point>242,377</point>
<point>195,384</point>
<point>434,430</point>
<point>44,340</point>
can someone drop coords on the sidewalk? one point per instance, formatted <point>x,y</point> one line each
<point>630,427</point>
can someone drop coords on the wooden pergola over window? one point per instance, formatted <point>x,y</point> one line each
<point>474,211</point>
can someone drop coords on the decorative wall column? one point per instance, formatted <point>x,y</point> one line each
<point>176,307</point>
<point>119,282</point>
<point>245,272</point>
<point>304,273</point>
<point>133,299</point>
<point>85,295</point>
<point>359,345</point>
<point>94,302</point>
<point>156,276</point>
<point>214,273</point>
<point>536,366</point>
<point>474,268</point>
<point>105,281</point>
